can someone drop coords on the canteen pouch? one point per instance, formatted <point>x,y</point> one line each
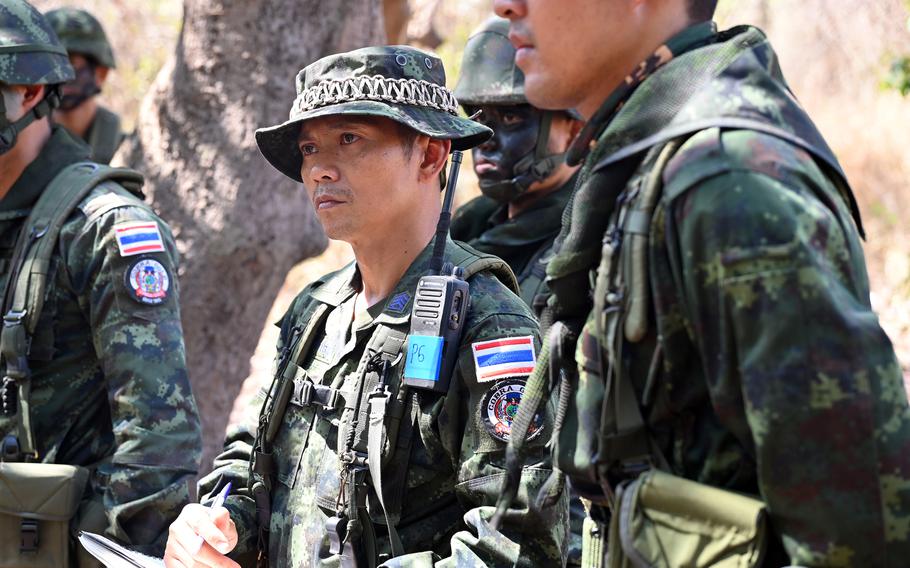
<point>660,520</point>
<point>37,503</point>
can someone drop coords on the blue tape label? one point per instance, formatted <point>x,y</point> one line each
<point>424,357</point>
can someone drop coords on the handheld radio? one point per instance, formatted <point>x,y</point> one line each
<point>438,312</point>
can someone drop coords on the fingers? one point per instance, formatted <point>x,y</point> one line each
<point>201,522</point>
<point>222,519</point>
<point>199,537</point>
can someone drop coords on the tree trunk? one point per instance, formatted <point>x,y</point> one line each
<point>240,225</point>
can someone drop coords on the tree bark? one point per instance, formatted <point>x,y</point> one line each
<point>240,225</point>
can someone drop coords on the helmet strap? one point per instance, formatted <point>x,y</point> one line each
<point>535,166</point>
<point>9,130</point>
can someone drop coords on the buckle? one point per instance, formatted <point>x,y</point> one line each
<point>14,317</point>
<point>11,452</point>
<point>306,393</point>
<point>28,534</point>
<point>332,402</point>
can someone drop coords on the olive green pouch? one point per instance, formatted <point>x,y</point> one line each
<point>37,503</point>
<point>661,520</point>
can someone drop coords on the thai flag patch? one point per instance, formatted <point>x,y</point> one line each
<point>137,237</point>
<point>502,358</point>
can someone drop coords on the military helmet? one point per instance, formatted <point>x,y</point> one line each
<point>488,71</point>
<point>80,32</point>
<point>398,82</point>
<point>30,53</point>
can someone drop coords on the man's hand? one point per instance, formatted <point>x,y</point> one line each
<point>201,537</point>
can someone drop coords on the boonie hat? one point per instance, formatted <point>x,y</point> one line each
<point>397,82</point>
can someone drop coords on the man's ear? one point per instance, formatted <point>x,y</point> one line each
<point>101,75</point>
<point>31,96</point>
<point>433,159</point>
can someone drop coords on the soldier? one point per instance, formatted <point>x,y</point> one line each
<point>522,175</point>
<point>93,358</point>
<point>92,58</point>
<point>350,465</point>
<point>522,172</point>
<point>709,281</point>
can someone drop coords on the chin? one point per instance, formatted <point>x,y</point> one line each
<point>547,91</point>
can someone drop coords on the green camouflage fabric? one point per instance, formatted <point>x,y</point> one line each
<point>104,136</point>
<point>454,466</point>
<point>45,63</point>
<point>397,82</point>
<point>774,377</point>
<point>109,381</point>
<point>80,32</point>
<point>489,75</point>
<point>522,241</point>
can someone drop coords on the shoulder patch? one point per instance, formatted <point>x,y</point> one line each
<point>147,281</point>
<point>138,237</point>
<point>500,406</point>
<point>503,358</point>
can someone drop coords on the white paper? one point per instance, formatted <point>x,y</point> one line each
<point>113,555</point>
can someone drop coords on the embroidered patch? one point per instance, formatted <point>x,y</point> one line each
<point>148,281</point>
<point>399,302</point>
<point>502,358</point>
<point>500,406</point>
<point>138,237</point>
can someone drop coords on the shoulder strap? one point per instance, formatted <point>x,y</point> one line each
<point>105,137</point>
<point>472,262</point>
<point>26,288</point>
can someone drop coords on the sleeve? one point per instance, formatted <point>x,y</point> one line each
<point>529,536</point>
<point>798,367</point>
<point>131,302</point>
<point>233,464</point>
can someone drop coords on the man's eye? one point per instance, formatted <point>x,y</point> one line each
<point>510,118</point>
<point>307,149</point>
<point>348,138</point>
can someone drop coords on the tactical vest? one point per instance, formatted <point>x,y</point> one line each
<point>40,500</point>
<point>385,418</point>
<point>605,445</point>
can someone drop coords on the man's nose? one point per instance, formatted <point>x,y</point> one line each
<point>511,9</point>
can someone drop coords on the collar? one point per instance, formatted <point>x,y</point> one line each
<point>690,38</point>
<point>395,308</point>
<point>537,223</point>
<point>61,150</point>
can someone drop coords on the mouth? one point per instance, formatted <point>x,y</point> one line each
<point>485,168</point>
<point>519,41</point>
<point>323,202</point>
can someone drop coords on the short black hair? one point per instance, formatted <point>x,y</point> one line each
<point>701,10</point>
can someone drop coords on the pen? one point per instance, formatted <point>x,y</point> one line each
<point>218,501</point>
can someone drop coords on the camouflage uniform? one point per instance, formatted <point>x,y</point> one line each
<point>109,388</point>
<point>521,241</point>
<point>445,472</point>
<point>762,367</point>
<point>81,33</point>
<point>489,77</point>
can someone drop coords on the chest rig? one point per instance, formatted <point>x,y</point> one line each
<point>384,414</point>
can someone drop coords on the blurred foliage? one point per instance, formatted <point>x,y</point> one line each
<point>898,77</point>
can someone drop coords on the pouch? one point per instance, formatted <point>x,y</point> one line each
<point>37,503</point>
<point>661,520</point>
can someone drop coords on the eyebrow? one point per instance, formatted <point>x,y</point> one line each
<point>339,124</point>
